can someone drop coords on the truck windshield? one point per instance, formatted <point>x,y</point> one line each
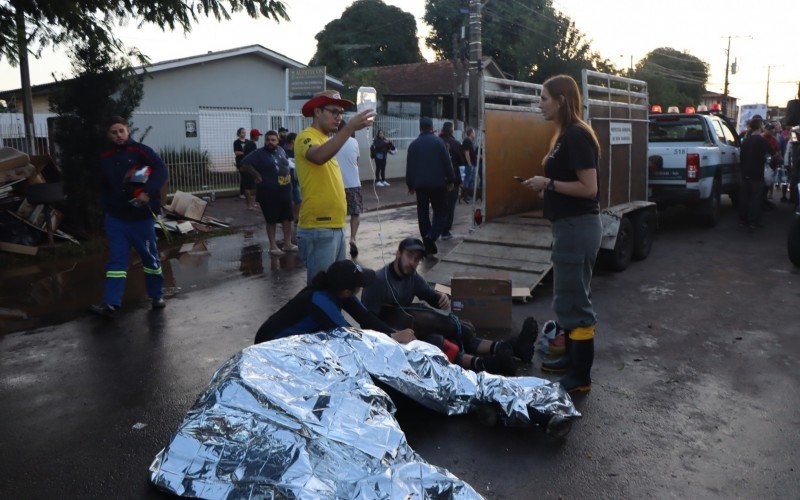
<point>676,129</point>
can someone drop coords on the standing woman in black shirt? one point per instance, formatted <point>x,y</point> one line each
<point>569,190</point>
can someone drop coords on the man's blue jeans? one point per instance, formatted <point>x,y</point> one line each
<point>319,248</point>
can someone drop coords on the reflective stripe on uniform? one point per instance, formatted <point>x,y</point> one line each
<point>116,274</point>
<point>148,270</point>
<point>582,333</point>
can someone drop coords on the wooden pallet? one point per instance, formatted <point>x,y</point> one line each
<point>519,244</point>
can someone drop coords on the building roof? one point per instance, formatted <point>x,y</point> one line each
<point>716,95</point>
<point>425,78</point>
<point>257,50</point>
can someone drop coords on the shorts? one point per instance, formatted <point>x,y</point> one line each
<point>247,181</point>
<point>275,211</point>
<point>355,203</point>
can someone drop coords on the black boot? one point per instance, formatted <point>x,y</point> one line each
<point>581,356</point>
<point>558,364</point>
<point>525,343</point>
<point>500,364</point>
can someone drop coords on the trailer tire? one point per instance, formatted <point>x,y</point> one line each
<point>620,257</point>
<point>793,242</point>
<point>644,231</point>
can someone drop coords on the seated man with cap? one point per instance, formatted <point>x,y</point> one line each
<point>391,298</point>
<point>318,307</point>
<point>320,233</point>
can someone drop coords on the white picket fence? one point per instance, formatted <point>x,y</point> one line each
<point>197,146</point>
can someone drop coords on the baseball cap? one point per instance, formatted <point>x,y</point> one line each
<point>254,132</point>
<point>347,275</point>
<point>413,244</point>
<point>323,99</point>
<point>425,122</point>
<point>282,129</point>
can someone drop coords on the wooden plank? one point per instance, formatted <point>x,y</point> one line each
<point>20,249</point>
<point>515,235</point>
<point>443,272</point>
<point>489,251</point>
<point>477,261</point>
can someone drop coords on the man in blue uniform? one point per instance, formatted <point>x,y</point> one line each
<point>132,175</point>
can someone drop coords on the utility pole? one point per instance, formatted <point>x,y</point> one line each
<point>475,64</point>
<point>767,99</point>
<point>456,78</point>
<point>727,69</point>
<point>25,77</point>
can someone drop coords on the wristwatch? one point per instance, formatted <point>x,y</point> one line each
<point>551,186</point>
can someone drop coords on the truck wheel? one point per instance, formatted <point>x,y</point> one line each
<point>619,258</point>
<point>734,196</point>
<point>793,244</point>
<point>644,230</point>
<point>710,209</point>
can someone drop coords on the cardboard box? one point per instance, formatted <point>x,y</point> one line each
<point>484,298</point>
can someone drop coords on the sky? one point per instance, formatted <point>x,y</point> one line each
<point>618,29</point>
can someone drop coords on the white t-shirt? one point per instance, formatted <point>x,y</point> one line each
<point>347,157</point>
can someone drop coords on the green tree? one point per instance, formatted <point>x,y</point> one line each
<point>673,78</point>
<point>103,85</point>
<point>55,22</point>
<point>369,33</point>
<point>529,39</point>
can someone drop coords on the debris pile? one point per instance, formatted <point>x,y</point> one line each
<point>32,193</point>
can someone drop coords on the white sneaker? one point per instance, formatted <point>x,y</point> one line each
<point>379,183</point>
<point>386,184</point>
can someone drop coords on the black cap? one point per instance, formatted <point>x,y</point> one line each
<point>425,122</point>
<point>413,244</point>
<point>347,275</point>
<point>283,129</point>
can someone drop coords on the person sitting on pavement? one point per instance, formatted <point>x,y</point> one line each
<point>269,166</point>
<point>318,307</point>
<point>391,298</point>
<point>132,175</point>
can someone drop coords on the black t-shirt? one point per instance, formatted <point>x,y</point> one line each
<point>574,150</point>
<point>755,149</point>
<point>469,147</point>
<point>273,167</point>
<point>237,147</point>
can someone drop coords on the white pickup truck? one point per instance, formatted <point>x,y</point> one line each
<point>692,160</point>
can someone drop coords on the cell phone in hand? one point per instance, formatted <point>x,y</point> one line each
<point>519,179</point>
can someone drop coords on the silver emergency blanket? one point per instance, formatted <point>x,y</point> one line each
<point>301,417</point>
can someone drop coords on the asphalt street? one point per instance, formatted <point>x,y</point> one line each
<point>695,389</point>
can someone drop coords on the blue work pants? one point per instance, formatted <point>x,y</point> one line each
<point>122,235</point>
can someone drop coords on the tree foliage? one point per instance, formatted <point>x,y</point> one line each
<point>673,78</point>
<point>529,39</point>
<point>53,22</point>
<point>104,85</point>
<point>369,33</point>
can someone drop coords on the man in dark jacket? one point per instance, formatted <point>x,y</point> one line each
<point>131,179</point>
<point>754,154</point>
<point>457,159</point>
<point>429,175</point>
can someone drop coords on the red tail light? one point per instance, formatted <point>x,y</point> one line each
<point>692,167</point>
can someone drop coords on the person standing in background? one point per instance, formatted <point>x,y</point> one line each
<point>380,149</point>
<point>457,159</point>
<point>347,158</point>
<point>132,175</point>
<point>429,176</point>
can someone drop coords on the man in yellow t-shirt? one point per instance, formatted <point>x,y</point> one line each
<point>320,231</point>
